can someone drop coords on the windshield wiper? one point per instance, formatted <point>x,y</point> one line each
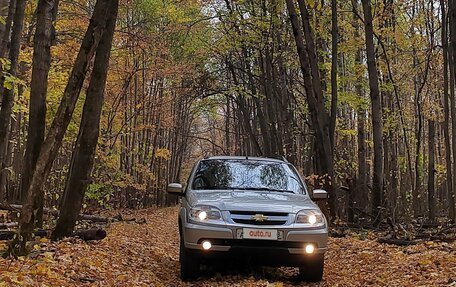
<point>217,188</point>
<point>246,189</point>
<point>267,189</point>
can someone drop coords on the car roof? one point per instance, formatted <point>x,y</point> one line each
<point>245,158</point>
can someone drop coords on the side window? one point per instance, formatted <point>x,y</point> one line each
<point>299,180</point>
<point>190,176</point>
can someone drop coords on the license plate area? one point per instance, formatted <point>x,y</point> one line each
<point>259,234</point>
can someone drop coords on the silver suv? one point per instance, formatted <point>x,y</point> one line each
<point>258,209</point>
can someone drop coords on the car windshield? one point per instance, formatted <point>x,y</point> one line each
<point>254,175</point>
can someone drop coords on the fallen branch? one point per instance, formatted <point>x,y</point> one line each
<point>91,234</point>
<point>394,241</point>
<point>446,229</point>
<point>8,207</point>
<point>9,234</point>
<point>8,225</point>
<point>443,239</point>
<point>86,235</point>
<point>93,218</point>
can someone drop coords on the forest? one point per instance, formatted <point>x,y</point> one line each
<point>103,103</point>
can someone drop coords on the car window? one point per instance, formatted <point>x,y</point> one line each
<point>189,178</point>
<point>246,175</point>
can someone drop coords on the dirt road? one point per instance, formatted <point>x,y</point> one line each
<point>147,255</point>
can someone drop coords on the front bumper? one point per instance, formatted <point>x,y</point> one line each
<point>224,239</point>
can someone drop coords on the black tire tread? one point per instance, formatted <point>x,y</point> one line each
<point>312,269</point>
<point>189,263</point>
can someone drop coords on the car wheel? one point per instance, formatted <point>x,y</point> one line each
<point>189,263</point>
<point>312,269</point>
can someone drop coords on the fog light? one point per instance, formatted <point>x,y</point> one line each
<point>207,245</point>
<point>310,248</point>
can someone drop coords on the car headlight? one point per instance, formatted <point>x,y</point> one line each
<point>204,213</point>
<point>311,218</point>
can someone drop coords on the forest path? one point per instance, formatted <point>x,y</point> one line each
<point>147,255</point>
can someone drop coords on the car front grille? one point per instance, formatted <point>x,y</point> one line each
<point>253,222</point>
<point>259,218</point>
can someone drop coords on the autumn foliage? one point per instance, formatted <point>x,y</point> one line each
<point>147,255</point>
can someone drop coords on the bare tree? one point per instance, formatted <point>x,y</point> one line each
<point>446,107</point>
<point>38,89</point>
<point>377,121</point>
<point>84,152</point>
<point>452,65</point>
<point>64,114</point>
<point>8,95</point>
<point>314,92</point>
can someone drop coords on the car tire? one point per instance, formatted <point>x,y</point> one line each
<point>312,269</point>
<point>189,263</point>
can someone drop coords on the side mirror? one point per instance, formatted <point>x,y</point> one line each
<point>175,188</point>
<point>319,194</point>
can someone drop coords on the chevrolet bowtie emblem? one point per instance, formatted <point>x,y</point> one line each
<point>259,217</point>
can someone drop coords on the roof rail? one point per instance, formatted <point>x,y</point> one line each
<point>279,157</point>
<point>247,157</point>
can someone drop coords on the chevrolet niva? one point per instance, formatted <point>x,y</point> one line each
<point>250,208</point>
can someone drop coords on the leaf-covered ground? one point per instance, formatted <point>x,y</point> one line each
<point>147,255</point>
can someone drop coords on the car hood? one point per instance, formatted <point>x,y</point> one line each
<point>251,201</point>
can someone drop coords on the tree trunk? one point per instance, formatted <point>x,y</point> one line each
<point>446,122</point>
<point>84,152</point>
<point>416,192</point>
<point>4,43</point>
<point>62,119</point>
<point>431,171</point>
<point>8,94</point>
<point>227,126</point>
<point>314,93</point>
<point>38,90</point>
<point>7,33</point>
<point>452,58</point>
<point>377,122</point>
<point>4,4</point>
<point>360,194</point>
<point>334,63</point>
